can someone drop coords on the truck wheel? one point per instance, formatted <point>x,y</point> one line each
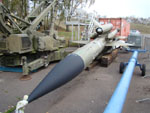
<point>122,66</point>
<point>143,69</point>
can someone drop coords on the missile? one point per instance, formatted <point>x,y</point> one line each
<point>102,29</point>
<point>68,68</point>
<point>71,66</point>
<point>105,28</point>
<point>113,34</point>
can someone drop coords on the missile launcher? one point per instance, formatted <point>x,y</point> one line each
<point>24,43</point>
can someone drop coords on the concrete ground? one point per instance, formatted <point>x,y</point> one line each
<point>87,93</point>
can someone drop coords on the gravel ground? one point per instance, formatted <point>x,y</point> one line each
<point>87,93</point>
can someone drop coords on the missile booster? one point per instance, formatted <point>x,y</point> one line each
<point>113,34</point>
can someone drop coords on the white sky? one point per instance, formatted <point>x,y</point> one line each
<point>122,8</point>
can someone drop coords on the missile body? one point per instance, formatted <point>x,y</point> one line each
<point>102,29</point>
<point>68,68</point>
<point>72,65</point>
<point>112,34</point>
<point>90,51</point>
<point>105,28</point>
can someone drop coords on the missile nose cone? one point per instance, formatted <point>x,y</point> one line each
<point>62,73</point>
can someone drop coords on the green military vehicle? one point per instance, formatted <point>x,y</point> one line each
<point>21,43</point>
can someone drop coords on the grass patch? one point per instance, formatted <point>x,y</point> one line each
<point>144,29</point>
<point>67,35</point>
<point>11,110</point>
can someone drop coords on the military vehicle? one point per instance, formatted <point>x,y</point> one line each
<point>27,42</point>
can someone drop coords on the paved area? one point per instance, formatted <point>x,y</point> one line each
<point>87,93</point>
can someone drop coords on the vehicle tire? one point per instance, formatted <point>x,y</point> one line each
<point>143,69</point>
<point>122,66</point>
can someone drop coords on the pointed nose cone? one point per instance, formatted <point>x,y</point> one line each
<point>62,73</point>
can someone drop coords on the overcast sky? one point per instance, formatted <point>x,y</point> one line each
<point>122,8</point>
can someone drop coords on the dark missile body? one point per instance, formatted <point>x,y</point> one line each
<point>62,73</point>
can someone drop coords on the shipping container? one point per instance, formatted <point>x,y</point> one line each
<point>119,23</point>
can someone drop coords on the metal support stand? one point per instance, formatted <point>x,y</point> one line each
<point>141,66</point>
<point>118,98</point>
